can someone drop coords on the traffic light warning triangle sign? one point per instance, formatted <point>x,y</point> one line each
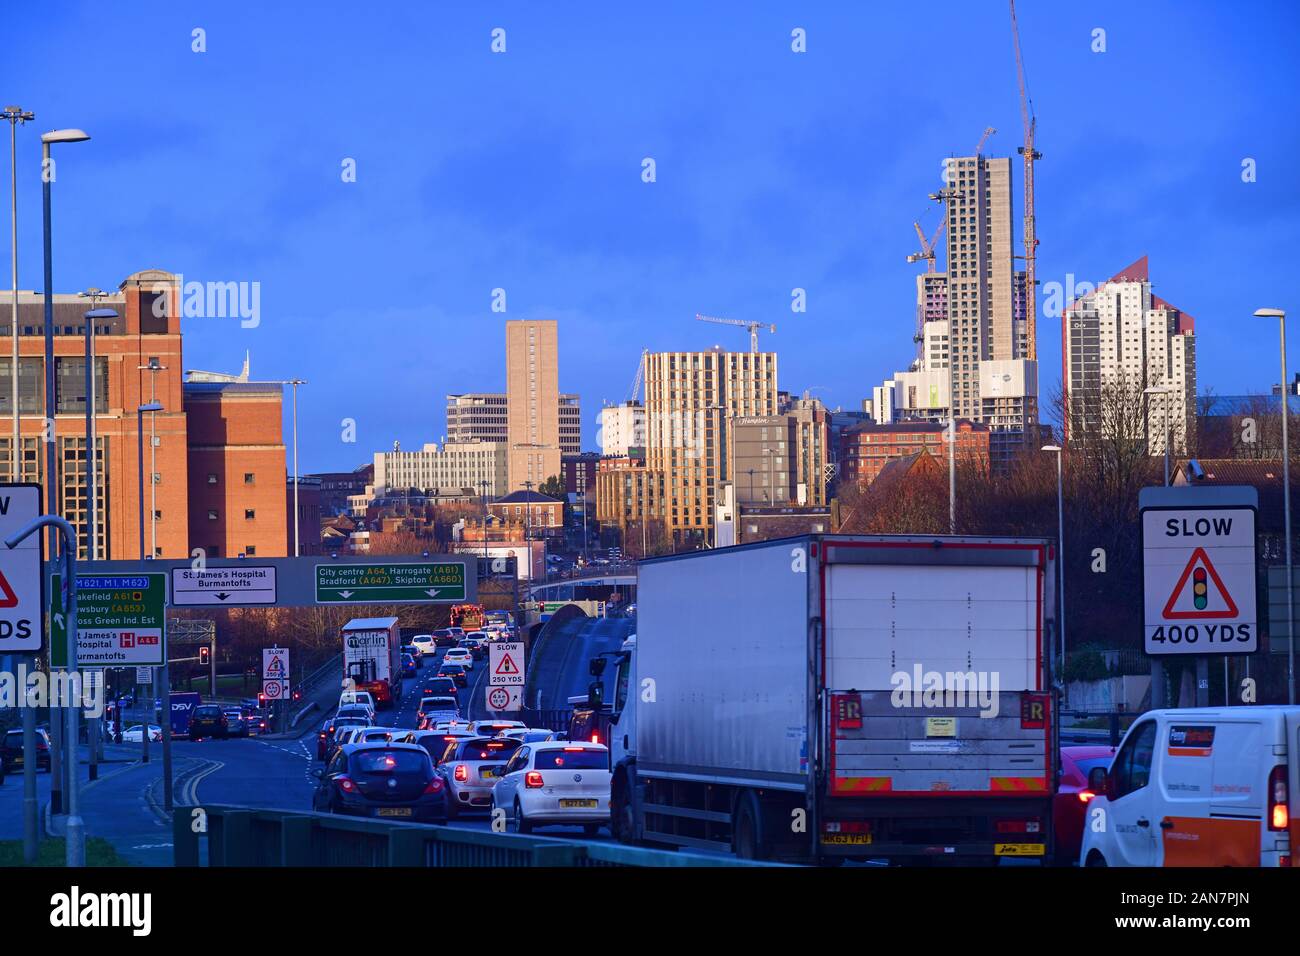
<point>507,665</point>
<point>1201,572</point>
<point>7,596</point>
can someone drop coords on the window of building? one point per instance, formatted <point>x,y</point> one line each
<point>31,386</point>
<point>250,550</point>
<point>250,514</point>
<point>249,478</point>
<point>212,514</point>
<point>212,478</point>
<point>70,384</point>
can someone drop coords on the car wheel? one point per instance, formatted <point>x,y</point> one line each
<point>521,824</point>
<point>1096,859</point>
<point>745,839</point>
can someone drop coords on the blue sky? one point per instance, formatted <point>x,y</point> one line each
<point>522,171</point>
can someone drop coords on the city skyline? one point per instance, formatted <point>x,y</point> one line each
<point>774,171</point>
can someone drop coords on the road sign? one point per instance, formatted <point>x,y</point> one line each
<point>505,664</point>
<point>144,675</point>
<point>22,605</point>
<point>120,620</point>
<point>501,699</point>
<point>275,672</point>
<point>239,586</point>
<point>432,582</point>
<point>1198,573</point>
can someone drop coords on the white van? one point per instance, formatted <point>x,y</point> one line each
<point>1215,786</point>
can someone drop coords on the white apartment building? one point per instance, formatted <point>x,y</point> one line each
<point>452,465</point>
<point>622,427</point>
<point>1120,340</point>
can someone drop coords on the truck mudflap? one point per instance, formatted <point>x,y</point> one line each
<point>883,746</point>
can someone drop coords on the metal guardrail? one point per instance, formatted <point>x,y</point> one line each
<point>242,836</point>
<point>1117,722</point>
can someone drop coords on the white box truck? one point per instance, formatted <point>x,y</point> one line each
<point>830,697</point>
<point>372,658</point>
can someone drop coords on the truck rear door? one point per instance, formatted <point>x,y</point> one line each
<point>933,667</point>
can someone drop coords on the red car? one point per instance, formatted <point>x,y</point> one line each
<point>1070,805</point>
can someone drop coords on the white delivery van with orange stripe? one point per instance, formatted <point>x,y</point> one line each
<point>1210,786</point>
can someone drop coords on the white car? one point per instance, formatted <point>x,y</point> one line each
<point>529,735</point>
<point>461,656</point>
<point>362,697</point>
<point>494,727</point>
<point>555,784</point>
<point>452,726</point>
<point>425,643</point>
<point>132,734</point>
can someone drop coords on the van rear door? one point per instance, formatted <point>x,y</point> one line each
<point>1213,779</point>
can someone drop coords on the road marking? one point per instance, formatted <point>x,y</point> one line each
<point>191,786</point>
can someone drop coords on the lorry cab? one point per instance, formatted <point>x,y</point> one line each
<point>1199,787</point>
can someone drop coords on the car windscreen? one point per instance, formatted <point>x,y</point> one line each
<point>389,761</point>
<point>207,713</point>
<point>577,758</point>
<point>438,703</point>
<point>485,748</point>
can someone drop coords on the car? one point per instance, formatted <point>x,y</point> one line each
<point>339,728</point>
<point>438,687</point>
<point>456,631</point>
<point>451,725</point>
<point>443,637</point>
<point>389,780</point>
<point>1070,805</point>
<point>371,735</point>
<point>455,672</point>
<point>135,734</point>
<point>491,728</point>
<point>469,767</point>
<point>415,653</point>
<point>362,697</point>
<point>208,720</point>
<point>425,643</point>
<point>476,643</point>
<point>1203,786</point>
<point>529,735</point>
<point>435,708</point>
<point>459,655</point>
<point>364,711</point>
<point>323,736</point>
<point>433,741</point>
<point>409,667</point>
<point>12,756</point>
<point>236,724</point>
<point>257,721</point>
<point>554,783</point>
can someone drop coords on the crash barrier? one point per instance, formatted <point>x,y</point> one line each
<point>218,835</point>
<point>1097,727</point>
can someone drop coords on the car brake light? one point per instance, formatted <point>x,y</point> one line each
<point>462,772</point>
<point>1278,798</point>
<point>346,784</point>
<point>1085,796</point>
<point>595,738</point>
<point>532,780</point>
<point>434,785</point>
<point>573,750</point>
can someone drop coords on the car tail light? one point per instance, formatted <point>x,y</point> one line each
<point>595,738</point>
<point>1085,796</point>
<point>573,750</point>
<point>434,785</point>
<point>532,779</point>
<point>346,784</point>
<point>846,826</point>
<point>1278,799</point>
<point>1018,826</point>
<point>462,772</point>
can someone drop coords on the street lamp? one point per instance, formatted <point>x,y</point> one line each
<point>1280,315</point>
<point>1060,550</point>
<point>1166,391</point>
<point>58,765</point>
<point>15,115</point>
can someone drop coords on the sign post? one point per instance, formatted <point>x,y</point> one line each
<point>228,587</point>
<point>433,582</point>
<point>275,673</point>
<point>505,676</point>
<point>1198,575</point>
<point>120,621</point>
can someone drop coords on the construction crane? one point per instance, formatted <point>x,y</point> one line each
<point>753,327</point>
<point>640,374</point>
<point>1030,155</point>
<point>928,246</point>
<point>988,131</point>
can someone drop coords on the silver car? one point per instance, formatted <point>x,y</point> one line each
<point>470,768</point>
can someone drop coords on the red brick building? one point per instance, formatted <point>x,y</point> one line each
<point>541,514</point>
<point>237,502</point>
<point>866,449</point>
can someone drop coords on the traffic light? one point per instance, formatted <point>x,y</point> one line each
<point>261,700</point>
<point>205,654</point>
<point>1199,598</point>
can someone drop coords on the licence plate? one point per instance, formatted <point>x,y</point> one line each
<point>855,839</point>
<point>394,811</point>
<point>487,772</point>
<point>579,804</point>
<point>1018,849</point>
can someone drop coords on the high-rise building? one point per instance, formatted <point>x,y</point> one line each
<point>532,401</point>
<point>690,399</point>
<point>1120,340</point>
<point>482,416</point>
<point>974,358</point>
<point>780,460</point>
<point>622,427</point>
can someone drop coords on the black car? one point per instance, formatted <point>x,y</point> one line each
<point>437,687</point>
<point>381,780</point>
<point>13,750</point>
<point>208,720</point>
<point>445,637</point>
<point>236,723</point>
<point>455,672</point>
<point>333,726</point>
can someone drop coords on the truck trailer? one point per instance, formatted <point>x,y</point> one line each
<point>823,698</point>
<point>372,649</point>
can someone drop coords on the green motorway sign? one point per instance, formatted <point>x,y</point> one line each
<point>120,620</point>
<point>426,583</point>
